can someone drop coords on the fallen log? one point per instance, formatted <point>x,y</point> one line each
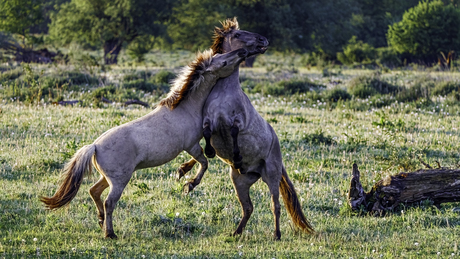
<point>436,185</point>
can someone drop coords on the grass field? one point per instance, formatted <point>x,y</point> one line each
<point>320,141</point>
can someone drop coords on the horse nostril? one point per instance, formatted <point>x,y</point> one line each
<point>261,39</point>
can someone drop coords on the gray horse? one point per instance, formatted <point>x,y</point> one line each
<point>229,119</point>
<point>152,140</point>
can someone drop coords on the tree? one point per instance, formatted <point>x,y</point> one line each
<point>109,23</point>
<point>280,21</point>
<point>18,16</point>
<point>373,18</point>
<point>426,30</point>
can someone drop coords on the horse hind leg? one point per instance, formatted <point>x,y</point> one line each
<point>208,149</point>
<point>95,191</point>
<point>116,189</point>
<point>185,168</point>
<point>242,183</point>
<point>237,158</point>
<point>273,182</point>
<point>197,153</point>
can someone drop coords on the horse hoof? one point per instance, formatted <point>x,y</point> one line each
<point>111,236</point>
<point>209,151</point>
<point>180,172</point>
<point>188,187</point>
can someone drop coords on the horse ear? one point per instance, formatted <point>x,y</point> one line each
<point>235,22</point>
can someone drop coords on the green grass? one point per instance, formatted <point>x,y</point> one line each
<point>320,141</point>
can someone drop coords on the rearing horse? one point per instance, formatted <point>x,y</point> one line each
<point>243,139</point>
<point>152,140</point>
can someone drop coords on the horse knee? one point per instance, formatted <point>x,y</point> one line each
<point>247,211</point>
<point>207,133</point>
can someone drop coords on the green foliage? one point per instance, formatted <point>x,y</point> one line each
<point>139,47</point>
<point>368,85</point>
<point>108,23</point>
<point>426,30</point>
<point>387,56</point>
<point>336,94</point>
<point>18,16</point>
<point>356,52</point>
<point>140,84</point>
<point>286,87</point>
<point>10,75</point>
<point>71,147</point>
<point>143,188</point>
<point>164,77</point>
<point>317,138</point>
<point>445,88</point>
<point>420,90</point>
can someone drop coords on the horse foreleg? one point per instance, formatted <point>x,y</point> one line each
<point>208,149</point>
<point>242,183</point>
<point>185,168</point>
<point>237,159</point>
<point>197,153</point>
<point>95,191</point>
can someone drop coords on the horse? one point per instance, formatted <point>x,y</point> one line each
<point>152,140</point>
<point>230,119</point>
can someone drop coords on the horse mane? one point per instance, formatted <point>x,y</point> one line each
<point>189,79</point>
<point>220,33</point>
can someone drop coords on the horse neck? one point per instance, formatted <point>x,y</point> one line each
<point>195,101</point>
<point>231,83</point>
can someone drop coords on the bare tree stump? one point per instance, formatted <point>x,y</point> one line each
<point>437,185</point>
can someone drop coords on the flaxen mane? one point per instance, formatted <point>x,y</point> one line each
<point>189,78</point>
<point>220,33</point>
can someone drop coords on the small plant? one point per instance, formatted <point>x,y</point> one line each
<point>71,147</point>
<point>142,189</point>
<point>318,138</point>
<point>298,119</point>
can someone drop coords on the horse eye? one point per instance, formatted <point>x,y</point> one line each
<point>224,64</point>
<point>237,35</point>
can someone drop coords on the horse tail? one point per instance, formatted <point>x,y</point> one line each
<point>71,179</point>
<point>292,204</point>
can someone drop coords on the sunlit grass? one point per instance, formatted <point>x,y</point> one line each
<point>157,220</point>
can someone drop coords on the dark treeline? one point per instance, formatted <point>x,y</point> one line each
<point>349,31</point>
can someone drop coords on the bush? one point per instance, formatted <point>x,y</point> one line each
<point>164,77</point>
<point>445,88</point>
<point>422,32</point>
<point>286,87</point>
<point>387,56</point>
<point>421,89</point>
<point>140,84</point>
<point>336,94</point>
<point>356,52</point>
<point>10,75</point>
<point>368,85</point>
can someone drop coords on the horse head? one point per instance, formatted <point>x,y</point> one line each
<point>223,65</point>
<point>230,37</point>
